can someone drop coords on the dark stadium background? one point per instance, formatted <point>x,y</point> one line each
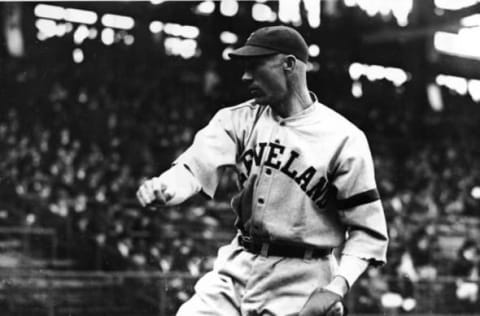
<point>87,113</point>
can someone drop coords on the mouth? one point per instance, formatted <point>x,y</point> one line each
<point>254,91</point>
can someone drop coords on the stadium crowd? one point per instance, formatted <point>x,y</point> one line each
<point>77,139</point>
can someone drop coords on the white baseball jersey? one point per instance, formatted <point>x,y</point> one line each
<point>306,179</point>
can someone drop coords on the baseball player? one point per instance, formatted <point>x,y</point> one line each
<point>307,186</point>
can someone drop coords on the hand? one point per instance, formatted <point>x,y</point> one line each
<point>323,302</point>
<point>153,190</point>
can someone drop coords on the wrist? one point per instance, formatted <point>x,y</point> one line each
<point>338,285</point>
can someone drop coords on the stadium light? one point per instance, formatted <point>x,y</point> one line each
<point>463,44</point>
<point>187,31</point>
<point>47,28</point>
<point>400,9</point>
<point>227,37</point>
<point>68,14</point>
<point>454,5</point>
<point>229,7</point>
<point>263,13</point>
<point>455,83</point>
<point>205,8</point>
<point>185,48</point>
<point>49,11</point>
<point>313,8</point>
<point>78,55</point>
<point>108,36</point>
<point>314,50</point>
<point>81,34</point>
<point>470,21</point>
<point>80,16</point>
<point>156,27</point>
<point>118,21</point>
<point>376,72</point>
<point>357,90</point>
<point>289,12</point>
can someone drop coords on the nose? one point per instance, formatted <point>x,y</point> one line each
<point>247,76</point>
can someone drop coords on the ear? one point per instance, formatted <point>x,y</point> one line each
<point>289,63</point>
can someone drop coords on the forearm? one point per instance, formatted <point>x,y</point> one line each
<point>349,270</point>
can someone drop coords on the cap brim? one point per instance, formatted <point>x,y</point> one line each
<point>250,51</point>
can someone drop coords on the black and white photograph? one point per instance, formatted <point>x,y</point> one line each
<point>240,158</point>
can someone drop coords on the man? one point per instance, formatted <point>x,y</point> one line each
<point>307,187</point>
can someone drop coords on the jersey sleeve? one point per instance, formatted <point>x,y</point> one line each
<point>213,147</point>
<point>359,203</point>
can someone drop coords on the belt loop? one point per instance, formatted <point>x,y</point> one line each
<point>308,253</point>
<point>264,250</point>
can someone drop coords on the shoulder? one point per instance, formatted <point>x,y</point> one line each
<point>244,112</point>
<point>338,123</point>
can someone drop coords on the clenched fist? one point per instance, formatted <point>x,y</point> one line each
<point>154,190</point>
<point>323,302</point>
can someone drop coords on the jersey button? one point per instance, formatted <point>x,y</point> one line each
<point>268,171</point>
<point>282,123</point>
<point>261,201</point>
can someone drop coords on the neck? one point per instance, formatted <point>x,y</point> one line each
<point>294,104</point>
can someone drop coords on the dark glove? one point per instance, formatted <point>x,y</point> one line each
<point>323,302</point>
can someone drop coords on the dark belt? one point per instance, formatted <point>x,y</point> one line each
<point>280,249</point>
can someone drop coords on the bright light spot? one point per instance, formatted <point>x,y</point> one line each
<point>350,3</point>
<point>61,30</point>
<point>356,70</point>
<point>376,72</point>
<point>68,27</point>
<point>472,20</point>
<point>156,2</point>
<point>409,304</point>
<point>463,44</point>
<point>156,27</point>
<point>435,97</point>
<point>118,21</point>
<point>30,219</point>
<point>313,8</point>
<point>80,34</point>
<point>400,9</point>
<point>474,89</point>
<point>49,11</point>
<point>475,193</point>
<point>180,47</point>
<point>186,31</point>
<point>206,7</point>
<point>229,7</point>
<point>395,75</point>
<point>190,31</point>
<point>78,55</point>
<point>454,5</point>
<point>314,50</point>
<point>225,53</point>
<point>457,84</point>
<point>47,28</point>
<point>263,13</point>
<point>128,39</point>
<point>227,37</point>
<point>108,36</point>
<point>92,33</point>
<point>289,12</point>
<point>80,16</point>
<point>391,300</point>
<point>357,90</point>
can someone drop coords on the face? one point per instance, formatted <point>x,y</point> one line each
<point>266,79</point>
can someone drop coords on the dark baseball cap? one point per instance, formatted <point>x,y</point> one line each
<point>271,40</point>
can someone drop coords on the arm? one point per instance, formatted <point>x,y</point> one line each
<point>172,187</point>
<point>361,212</point>
<point>197,169</point>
